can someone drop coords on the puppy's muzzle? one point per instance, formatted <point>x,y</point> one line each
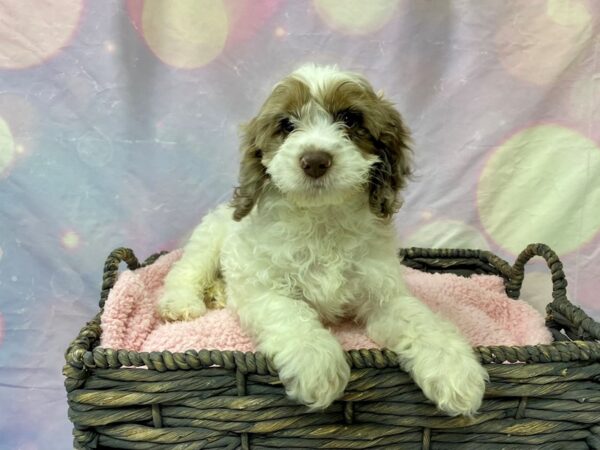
<point>315,163</point>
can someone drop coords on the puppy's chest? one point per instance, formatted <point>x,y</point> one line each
<point>323,270</point>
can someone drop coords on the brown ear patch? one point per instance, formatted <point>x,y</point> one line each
<point>377,128</point>
<point>252,175</point>
<point>391,140</point>
<point>261,136</point>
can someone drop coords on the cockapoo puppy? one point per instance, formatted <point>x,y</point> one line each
<point>308,241</point>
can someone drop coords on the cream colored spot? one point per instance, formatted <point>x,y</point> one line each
<point>280,32</point>
<point>70,240</point>
<point>185,33</point>
<point>542,186</point>
<point>426,215</point>
<point>33,31</point>
<point>538,43</point>
<point>109,46</point>
<point>7,147</point>
<point>446,233</point>
<point>356,16</point>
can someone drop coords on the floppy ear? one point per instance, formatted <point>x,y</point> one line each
<point>391,172</point>
<point>253,175</point>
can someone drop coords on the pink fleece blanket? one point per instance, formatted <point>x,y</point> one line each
<point>477,305</point>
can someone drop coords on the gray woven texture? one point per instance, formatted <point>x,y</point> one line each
<point>549,398</point>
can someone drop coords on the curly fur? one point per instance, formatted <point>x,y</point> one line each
<point>299,253</point>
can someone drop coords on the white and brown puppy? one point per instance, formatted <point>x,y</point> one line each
<point>308,241</point>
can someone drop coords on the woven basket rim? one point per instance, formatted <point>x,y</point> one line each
<point>581,343</point>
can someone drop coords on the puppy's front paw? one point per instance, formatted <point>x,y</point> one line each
<point>180,304</point>
<point>314,373</point>
<point>456,384</point>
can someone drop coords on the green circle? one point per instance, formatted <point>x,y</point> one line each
<point>542,185</point>
<point>7,146</point>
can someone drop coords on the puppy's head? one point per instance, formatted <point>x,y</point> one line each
<point>324,135</point>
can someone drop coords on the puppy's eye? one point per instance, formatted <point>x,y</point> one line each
<point>350,118</point>
<point>286,126</point>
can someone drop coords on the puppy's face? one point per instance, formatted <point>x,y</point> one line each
<point>322,136</point>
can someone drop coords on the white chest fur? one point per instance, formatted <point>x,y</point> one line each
<point>314,256</point>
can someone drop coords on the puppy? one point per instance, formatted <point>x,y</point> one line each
<point>308,240</point>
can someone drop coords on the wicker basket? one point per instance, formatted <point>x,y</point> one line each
<point>548,399</point>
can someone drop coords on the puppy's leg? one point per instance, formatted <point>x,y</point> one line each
<point>310,361</point>
<point>197,269</point>
<point>432,350</point>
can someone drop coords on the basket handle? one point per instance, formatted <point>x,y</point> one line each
<point>111,269</point>
<point>560,312</point>
<point>559,281</point>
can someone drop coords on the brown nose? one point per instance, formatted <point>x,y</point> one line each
<point>315,163</point>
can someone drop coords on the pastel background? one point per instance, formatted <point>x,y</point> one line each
<point>118,126</point>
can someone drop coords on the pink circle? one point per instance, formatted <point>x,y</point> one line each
<point>540,42</point>
<point>248,17</point>
<point>34,31</point>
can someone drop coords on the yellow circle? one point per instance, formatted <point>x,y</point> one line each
<point>568,12</point>
<point>446,233</point>
<point>356,16</point>
<point>185,33</point>
<point>7,147</point>
<point>540,42</point>
<point>33,31</point>
<point>542,185</point>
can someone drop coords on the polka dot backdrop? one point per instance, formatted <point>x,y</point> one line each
<point>118,126</point>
